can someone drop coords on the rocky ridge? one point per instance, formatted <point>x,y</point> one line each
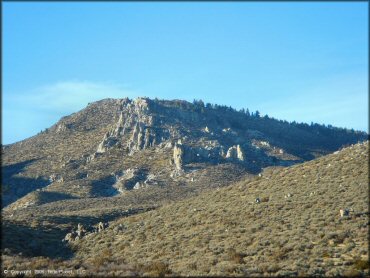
<point>143,143</point>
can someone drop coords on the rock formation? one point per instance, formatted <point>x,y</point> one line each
<point>114,135</point>
<point>81,232</point>
<point>132,178</point>
<point>55,178</point>
<point>108,141</point>
<point>61,127</point>
<point>235,152</point>
<point>134,128</point>
<point>177,156</point>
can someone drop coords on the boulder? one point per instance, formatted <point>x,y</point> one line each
<point>344,212</point>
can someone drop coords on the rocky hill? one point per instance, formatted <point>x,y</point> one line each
<point>116,146</point>
<point>309,219</point>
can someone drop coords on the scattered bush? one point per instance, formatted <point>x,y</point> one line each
<point>158,269</point>
<point>361,264</point>
<point>235,256</point>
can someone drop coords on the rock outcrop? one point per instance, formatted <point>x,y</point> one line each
<point>61,128</point>
<point>178,153</point>
<point>236,153</point>
<point>55,178</point>
<point>134,129</point>
<point>211,151</point>
<point>132,178</point>
<point>81,232</point>
<point>108,141</point>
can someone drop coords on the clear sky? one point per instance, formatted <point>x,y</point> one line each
<point>294,61</point>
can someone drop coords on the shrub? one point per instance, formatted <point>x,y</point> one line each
<point>361,264</point>
<point>235,256</point>
<point>326,255</point>
<point>193,266</point>
<point>158,269</point>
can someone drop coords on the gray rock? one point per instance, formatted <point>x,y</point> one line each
<point>344,212</point>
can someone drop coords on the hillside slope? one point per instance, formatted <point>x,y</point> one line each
<point>296,229</point>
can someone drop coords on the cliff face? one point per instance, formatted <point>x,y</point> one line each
<point>115,146</point>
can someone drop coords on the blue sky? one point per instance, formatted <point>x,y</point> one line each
<point>295,61</point>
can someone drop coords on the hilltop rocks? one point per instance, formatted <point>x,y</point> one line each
<point>139,128</point>
<point>134,129</point>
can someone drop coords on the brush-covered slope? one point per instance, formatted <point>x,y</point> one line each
<point>296,229</point>
<point>115,146</point>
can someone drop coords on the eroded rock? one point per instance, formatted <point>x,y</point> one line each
<point>235,152</point>
<point>61,128</point>
<point>55,178</point>
<point>132,178</point>
<point>82,232</point>
<point>177,156</point>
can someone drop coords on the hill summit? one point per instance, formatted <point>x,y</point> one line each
<point>115,146</point>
